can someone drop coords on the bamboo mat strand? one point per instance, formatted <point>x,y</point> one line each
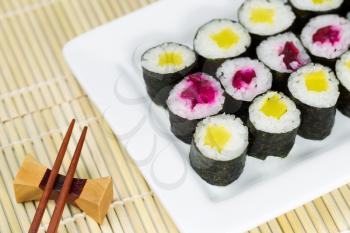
<point>39,96</point>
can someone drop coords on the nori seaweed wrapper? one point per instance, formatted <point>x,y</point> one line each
<point>279,81</point>
<point>182,128</point>
<point>159,85</point>
<point>316,123</point>
<point>210,66</point>
<point>237,107</point>
<point>219,173</point>
<point>343,104</point>
<point>329,62</point>
<point>345,8</point>
<point>263,144</point>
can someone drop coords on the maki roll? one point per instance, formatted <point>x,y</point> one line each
<point>283,54</point>
<point>326,37</point>
<point>219,40</point>
<point>243,79</point>
<point>265,18</point>
<point>164,66</point>
<point>196,97</point>
<point>306,9</point>
<point>273,125</point>
<point>315,91</point>
<point>218,150</point>
<point>343,74</point>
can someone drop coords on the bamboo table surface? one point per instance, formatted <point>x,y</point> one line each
<point>38,98</point>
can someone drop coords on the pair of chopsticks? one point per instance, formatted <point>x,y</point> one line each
<point>62,198</point>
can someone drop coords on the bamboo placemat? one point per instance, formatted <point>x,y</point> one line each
<point>39,96</point>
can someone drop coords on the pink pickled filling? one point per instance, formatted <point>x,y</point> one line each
<point>290,56</point>
<point>199,91</point>
<point>243,78</point>
<point>328,34</point>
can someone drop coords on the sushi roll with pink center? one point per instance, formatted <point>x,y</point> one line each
<point>326,37</point>
<point>196,97</point>
<point>306,9</point>
<point>243,79</point>
<point>283,54</point>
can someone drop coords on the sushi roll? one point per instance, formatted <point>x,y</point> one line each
<point>283,54</point>
<point>306,9</point>
<point>218,150</point>
<point>265,18</point>
<point>243,79</point>
<point>273,125</point>
<point>164,66</point>
<point>314,89</point>
<point>196,97</point>
<point>326,37</point>
<point>343,74</point>
<point>219,40</point>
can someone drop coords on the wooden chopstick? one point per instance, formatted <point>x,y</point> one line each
<point>51,181</point>
<point>62,198</point>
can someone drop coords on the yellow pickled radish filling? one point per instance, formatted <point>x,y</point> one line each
<point>226,38</point>
<point>320,1</point>
<point>262,15</point>
<point>347,64</point>
<point>316,81</point>
<point>217,137</point>
<point>170,59</point>
<point>274,107</point>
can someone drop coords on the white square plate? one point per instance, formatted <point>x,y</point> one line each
<point>106,63</point>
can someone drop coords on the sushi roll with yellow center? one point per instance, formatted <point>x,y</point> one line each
<point>315,91</point>
<point>343,74</point>
<point>218,150</point>
<point>273,124</point>
<point>264,18</point>
<point>218,40</point>
<point>164,66</point>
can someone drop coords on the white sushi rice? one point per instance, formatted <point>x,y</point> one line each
<point>260,84</point>
<point>269,52</point>
<point>326,99</point>
<point>288,122</point>
<point>205,46</point>
<point>309,5</point>
<point>343,71</point>
<point>236,145</point>
<point>182,107</point>
<point>150,59</point>
<point>326,50</point>
<point>283,19</point>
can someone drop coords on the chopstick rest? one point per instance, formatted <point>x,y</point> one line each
<point>93,196</point>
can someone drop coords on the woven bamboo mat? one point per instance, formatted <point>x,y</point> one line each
<point>39,96</point>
